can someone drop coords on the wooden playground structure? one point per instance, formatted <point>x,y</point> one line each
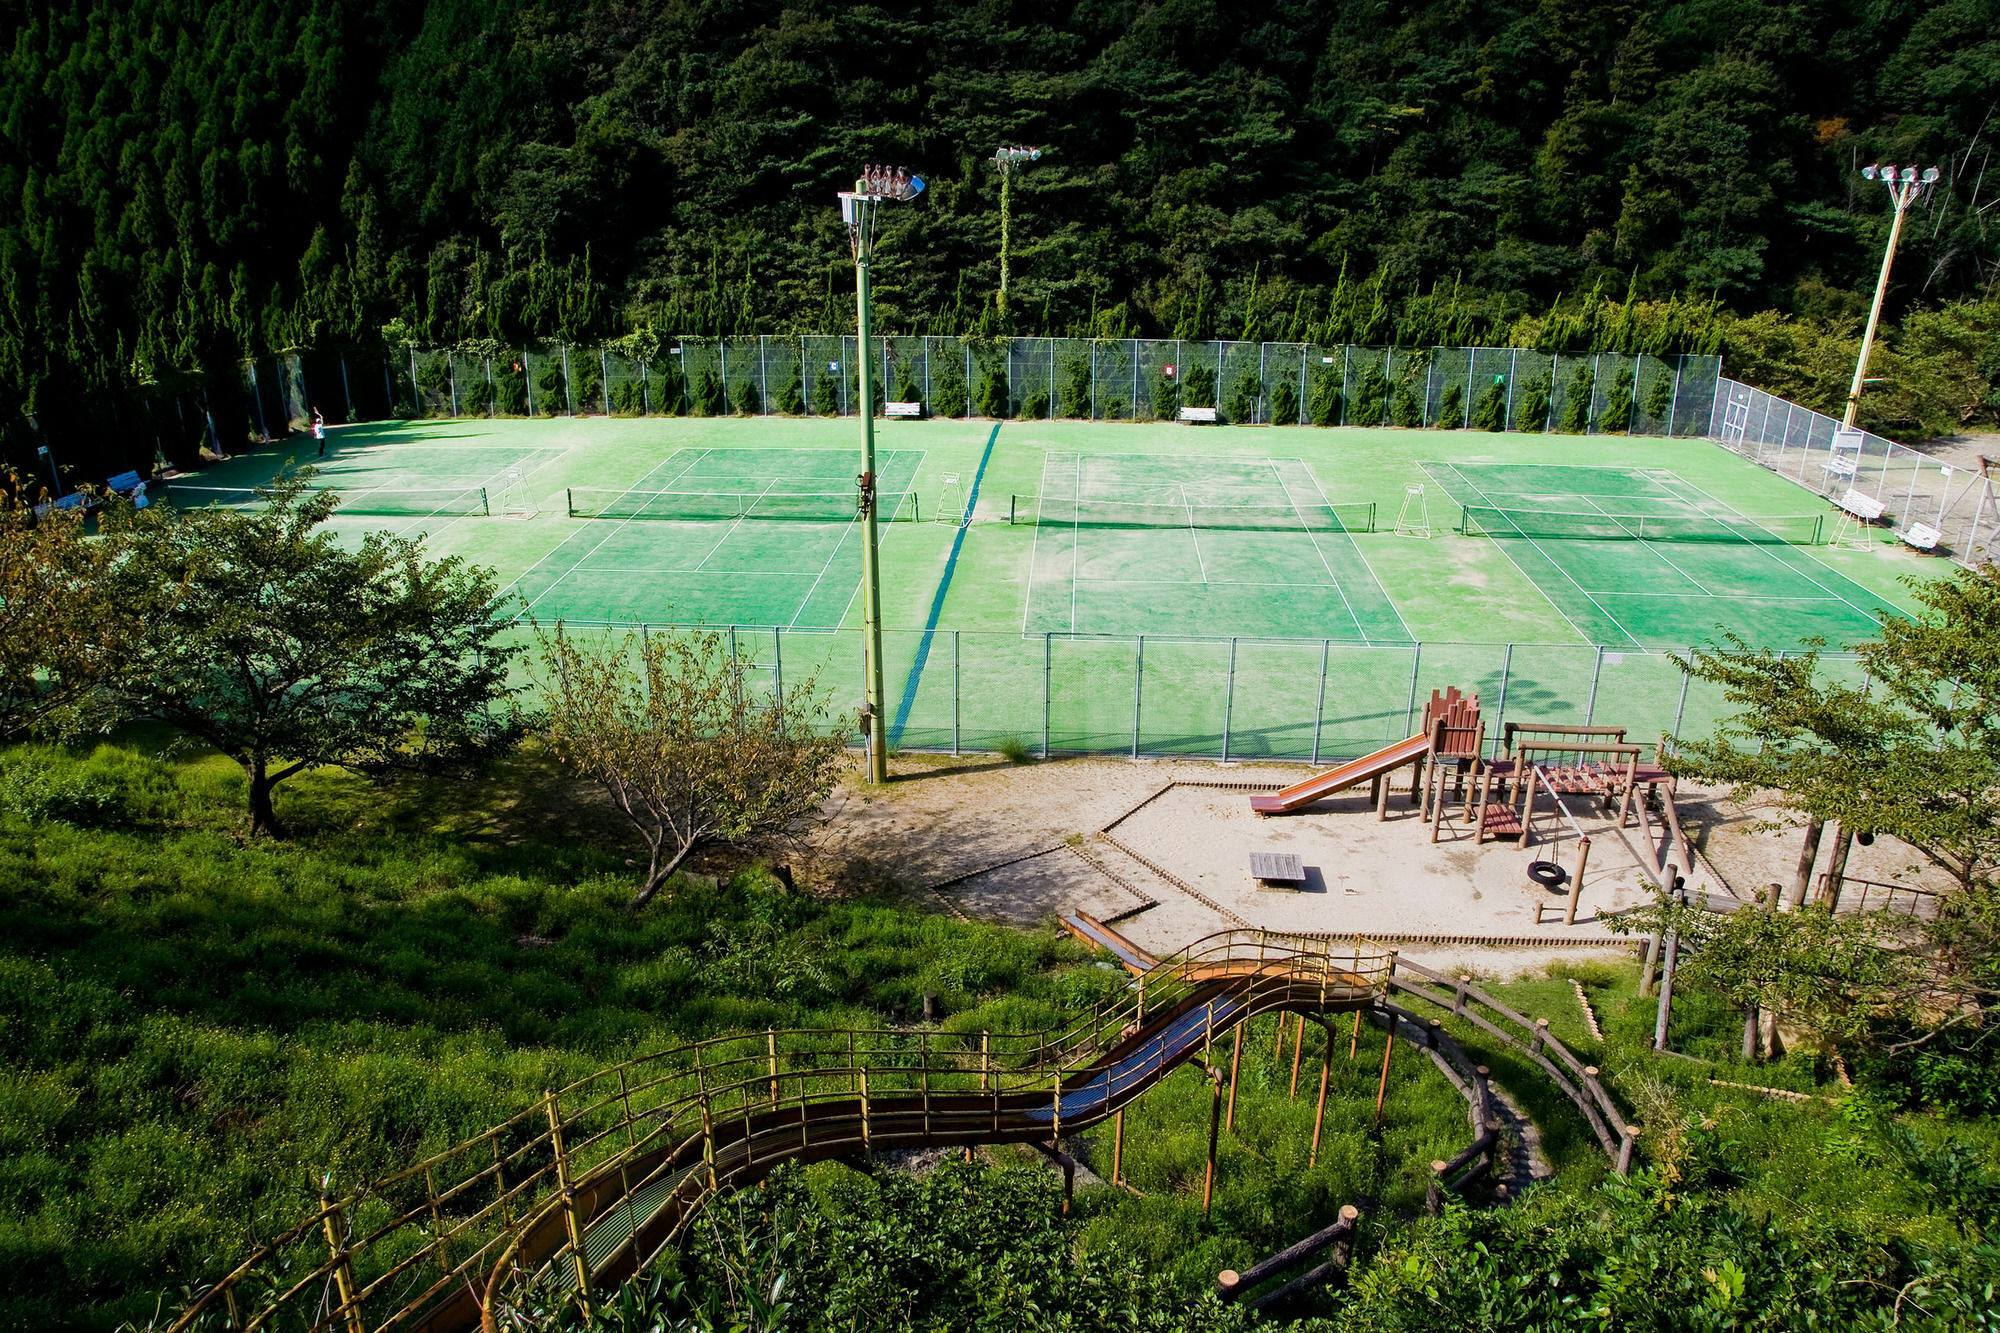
<point>1450,770</point>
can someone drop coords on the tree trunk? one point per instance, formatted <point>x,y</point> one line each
<point>1836,869</point>
<point>1750,1034</point>
<point>656,877</point>
<point>263,819</point>
<point>1796,896</point>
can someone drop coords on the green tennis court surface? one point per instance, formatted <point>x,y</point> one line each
<point>719,537</point>
<point>1641,557</point>
<point>1148,543</point>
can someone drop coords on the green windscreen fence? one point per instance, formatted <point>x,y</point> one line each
<point>467,501</point>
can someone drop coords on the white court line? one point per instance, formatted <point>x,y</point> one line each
<point>1035,548</point>
<point>1389,601</point>
<point>1652,548</point>
<point>1522,536</point>
<point>622,525</point>
<point>1075,539</point>
<point>1832,594</point>
<point>734,524</point>
<point>1192,534</point>
<point>1325,564</point>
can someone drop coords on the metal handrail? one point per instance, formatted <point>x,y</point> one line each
<point>594,1180</point>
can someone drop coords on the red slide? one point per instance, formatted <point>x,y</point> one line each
<point>1338,779</point>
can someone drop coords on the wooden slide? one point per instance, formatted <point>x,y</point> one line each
<point>1380,764</point>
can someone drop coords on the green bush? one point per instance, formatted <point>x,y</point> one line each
<point>1285,403</point>
<point>1166,398</point>
<point>553,398</point>
<point>1371,399</point>
<point>1243,399</point>
<point>1491,413</point>
<point>710,398</point>
<point>826,395</point>
<point>1198,387</point>
<point>1326,400</point>
<point>792,394</point>
<point>1035,407</point>
<point>749,402</point>
<point>1575,419</point>
<point>948,388</point>
<point>1451,407</point>
<point>1076,388</point>
<point>1532,411</point>
<point>993,400</point>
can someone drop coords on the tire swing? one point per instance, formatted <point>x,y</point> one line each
<point>1548,874</point>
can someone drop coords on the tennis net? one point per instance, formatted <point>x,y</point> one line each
<point>1062,512</point>
<point>460,501</point>
<point>696,506</point>
<point>1593,525</point>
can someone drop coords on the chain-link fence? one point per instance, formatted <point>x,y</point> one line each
<point>1310,700</point>
<point>1915,491</point>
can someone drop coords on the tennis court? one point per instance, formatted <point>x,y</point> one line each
<point>719,536</point>
<point>1151,543</point>
<point>1641,557</point>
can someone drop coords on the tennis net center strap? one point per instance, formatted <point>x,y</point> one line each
<point>1592,525</point>
<point>711,506</point>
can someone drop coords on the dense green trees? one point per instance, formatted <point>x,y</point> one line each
<point>181,184</point>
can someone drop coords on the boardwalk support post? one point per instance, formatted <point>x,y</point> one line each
<point>572,1223</point>
<point>335,1225</point>
<point>1214,1129</point>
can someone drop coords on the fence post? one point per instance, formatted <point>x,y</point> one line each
<point>1048,669</point>
<point>571,1222</point>
<point>1410,713</point>
<point>1228,698</point>
<point>954,688</point>
<point>347,391</point>
<point>334,1224</point>
<point>1500,709</point>
<point>1319,709</point>
<point>604,367</point>
<point>1596,671</point>
<point>1625,1144</point>
<point>451,378</point>
<point>1138,690</point>
<point>1673,404</point>
<point>1513,364</point>
<point>1680,711</point>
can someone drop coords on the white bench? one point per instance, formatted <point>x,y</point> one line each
<point>1206,414</point>
<point>1844,468</point>
<point>1864,507</point>
<point>911,410</point>
<point>1921,536</point>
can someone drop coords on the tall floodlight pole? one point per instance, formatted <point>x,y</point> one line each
<point>1007,159</point>
<point>857,209</point>
<point>1905,187</point>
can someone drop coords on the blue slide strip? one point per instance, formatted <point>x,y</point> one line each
<point>937,603</point>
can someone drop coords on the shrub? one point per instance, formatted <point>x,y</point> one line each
<point>993,399</point>
<point>1491,413</point>
<point>1285,403</point>
<point>1035,407</point>
<point>1451,408</point>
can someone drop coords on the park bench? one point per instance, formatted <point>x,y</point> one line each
<point>1921,537</point>
<point>1206,414</point>
<point>914,411</point>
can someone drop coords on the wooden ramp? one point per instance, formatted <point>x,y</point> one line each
<point>1100,936</point>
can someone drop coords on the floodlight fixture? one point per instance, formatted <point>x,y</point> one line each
<point>1906,185</point>
<point>875,186</point>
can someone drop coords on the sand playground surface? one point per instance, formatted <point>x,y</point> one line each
<point>1161,848</point>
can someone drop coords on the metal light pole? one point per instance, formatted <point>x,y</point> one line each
<point>857,210</point>
<point>1905,187</point>
<point>1005,159</point>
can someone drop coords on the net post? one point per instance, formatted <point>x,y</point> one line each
<point>1319,709</point>
<point>1048,676</point>
<point>1228,698</point>
<point>1138,690</point>
<point>954,692</point>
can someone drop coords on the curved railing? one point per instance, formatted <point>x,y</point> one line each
<point>588,1186</point>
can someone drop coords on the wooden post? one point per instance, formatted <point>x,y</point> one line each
<point>1795,896</point>
<point>1354,1037</point>
<point>1666,1008</point>
<point>1576,884</point>
<point>1836,869</point>
<point>1382,798</point>
<point>1382,1088</point>
<point>1434,1191</point>
<point>867,1139</point>
<point>1319,1108</point>
<point>1235,1063</point>
<point>1117,1145</point>
<point>1343,1249</point>
<point>1298,1049</point>
<point>572,1224</point>
<point>1625,1149</point>
<point>1214,1129</point>
<point>1527,803</point>
<point>335,1225</point>
<point>1538,1036</point>
<point>985,1059</point>
<point>1750,1033</point>
<point>771,1045</point>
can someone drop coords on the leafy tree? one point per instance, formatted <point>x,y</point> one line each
<point>1660,397</point>
<point>1371,399</point>
<point>1076,388</point>
<point>947,387</point>
<point>1915,753</point>
<point>689,752</point>
<point>748,402</point>
<point>1198,387</point>
<point>826,395</point>
<point>268,641</point>
<point>63,634</point>
<point>1035,407</point>
<point>553,398</point>
<point>1166,398</point>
